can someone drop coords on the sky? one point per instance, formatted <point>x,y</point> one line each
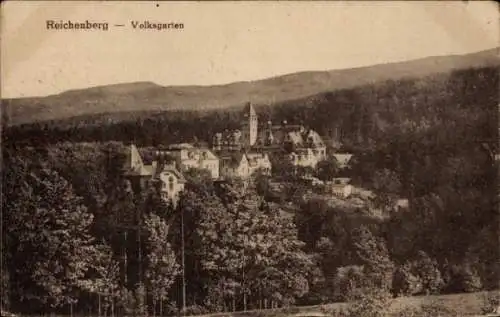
<point>224,42</point>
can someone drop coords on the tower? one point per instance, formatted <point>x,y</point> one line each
<point>249,127</point>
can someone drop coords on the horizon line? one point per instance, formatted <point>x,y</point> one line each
<point>247,81</point>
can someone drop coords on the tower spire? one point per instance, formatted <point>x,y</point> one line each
<point>249,125</point>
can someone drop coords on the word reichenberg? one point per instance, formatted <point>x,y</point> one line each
<point>70,25</point>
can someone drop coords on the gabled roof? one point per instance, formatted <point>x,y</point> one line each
<point>206,154</point>
<point>314,137</point>
<point>161,167</point>
<point>341,180</point>
<point>342,158</point>
<point>134,165</point>
<point>179,146</point>
<point>256,155</point>
<point>233,159</point>
<point>295,137</point>
<point>249,110</point>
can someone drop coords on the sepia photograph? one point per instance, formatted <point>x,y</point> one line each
<point>250,158</point>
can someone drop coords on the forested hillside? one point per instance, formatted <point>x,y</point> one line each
<point>360,117</point>
<point>431,139</point>
<point>129,100</point>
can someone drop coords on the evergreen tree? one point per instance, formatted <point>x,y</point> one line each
<point>255,250</point>
<point>162,267</point>
<point>51,236</point>
<point>374,256</point>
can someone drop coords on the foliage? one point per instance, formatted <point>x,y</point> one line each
<point>349,282</point>
<point>491,303</point>
<point>50,229</point>
<point>70,223</point>
<point>372,303</point>
<point>251,249</point>
<point>387,186</point>
<point>405,281</point>
<point>375,258</point>
<point>429,273</point>
<point>162,267</point>
<point>327,169</point>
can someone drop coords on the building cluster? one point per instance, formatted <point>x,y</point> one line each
<point>301,146</point>
<point>238,153</point>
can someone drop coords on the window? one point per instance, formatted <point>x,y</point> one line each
<point>171,183</point>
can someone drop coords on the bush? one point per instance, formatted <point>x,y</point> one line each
<point>348,282</point>
<point>195,310</point>
<point>405,282</point>
<point>428,272</point>
<point>491,302</point>
<point>373,303</point>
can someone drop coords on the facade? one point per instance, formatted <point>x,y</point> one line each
<point>259,161</point>
<point>186,156</point>
<point>303,147</point>
<point>339,187</point>
<point>343,159</point>
<point>141,176</point>
<point>171,181</point>
<point>234,165</point>
<point>401,204</point>
<point>243,165</point>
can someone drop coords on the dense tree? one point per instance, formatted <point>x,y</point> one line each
<point>255,251</point>
<point>162,267</point>
<point>431,140</point>
<point>49,233</point>
<point>373,255</point>
<point>327,169</point>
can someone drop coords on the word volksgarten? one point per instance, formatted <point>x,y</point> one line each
<point>147,25</point>
<point>70,25</point>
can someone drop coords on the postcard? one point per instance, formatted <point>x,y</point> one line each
<point>250,158</point>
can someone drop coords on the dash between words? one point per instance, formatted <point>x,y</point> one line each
<point>104,26</point>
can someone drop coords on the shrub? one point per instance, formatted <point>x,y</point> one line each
<point>491,302</point>
<point>373,303</point>
<point>195,310</point>
<point>428,272</point>
<point>404,282</point>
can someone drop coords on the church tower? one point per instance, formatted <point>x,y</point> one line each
<point>249,128</point>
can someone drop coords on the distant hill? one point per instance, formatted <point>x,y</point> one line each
<point>148,96</point>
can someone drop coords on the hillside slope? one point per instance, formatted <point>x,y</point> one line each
<point>147,96</point>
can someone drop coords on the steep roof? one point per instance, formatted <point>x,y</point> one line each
<point>255,159</point>
<point>249,110</point>
<point>342,158</point>
<point>314,137</point>
<point>233,159</point>
<point>206,154</point>
<point>162,167</point>
<point>134,164</point>
<point>295,137</point>
<point>179,146</point>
